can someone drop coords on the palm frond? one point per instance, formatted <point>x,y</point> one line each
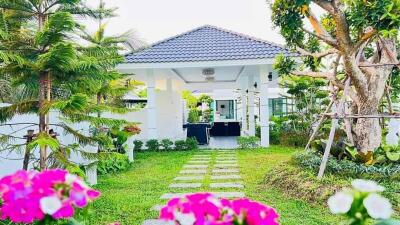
<point>81,138</point>
<point>24,107</point>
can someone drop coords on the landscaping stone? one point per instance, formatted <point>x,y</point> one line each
<point>193,172</point>
<point>222,166</point>
<point>226,161</point>
<point>185,185</point>
<point>226,177</point>
<point>187,178</point>
<point>226,185</point>
<point>196,166</point>
<point>225,171</point>
<point>199,162</point>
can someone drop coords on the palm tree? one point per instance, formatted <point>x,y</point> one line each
<point>36,51</point>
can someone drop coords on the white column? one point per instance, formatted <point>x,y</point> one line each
<point>252,123</point>
<point>151,106</point>
<point>91,173</point>
<point>264,109</point>
<point>244,105</point>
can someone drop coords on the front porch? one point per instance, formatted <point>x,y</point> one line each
<point>232,68</point>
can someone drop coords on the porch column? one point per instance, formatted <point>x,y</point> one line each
<point>244,104</point>
<point>252,123</point>
<point>151,105</point>
<point>264,109</point>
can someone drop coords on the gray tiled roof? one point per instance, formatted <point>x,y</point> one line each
<point>207,43</point>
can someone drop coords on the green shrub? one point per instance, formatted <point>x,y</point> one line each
<point>180,145</point>
<point>192,143</point>
<point>167,144</point>
<point>112,162</point>
<point>138,145</point>
<point>292,138</point>
<point>248,142</point>
<point>194,116</point>
<point>312,160</point>
<point>153,145</point>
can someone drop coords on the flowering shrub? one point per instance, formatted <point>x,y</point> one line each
<point>30,196</point>
<point>132,129</point>
<point>362,203</point>
<point>204,208</point>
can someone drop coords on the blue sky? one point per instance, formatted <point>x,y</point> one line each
<point>155,20</point>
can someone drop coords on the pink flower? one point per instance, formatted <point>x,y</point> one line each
<point>27,196</point>
<point>207,209</point>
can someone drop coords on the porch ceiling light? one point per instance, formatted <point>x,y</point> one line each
<point>208,74</point>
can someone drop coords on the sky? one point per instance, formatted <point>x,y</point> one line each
<point>155,20</point>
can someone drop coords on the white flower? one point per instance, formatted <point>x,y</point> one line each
<point>70,178</point>
<point>185,219</point>
<point>340,203</point>
<point>50,205</point>
<point>378,207</point>
<point>367,186</point>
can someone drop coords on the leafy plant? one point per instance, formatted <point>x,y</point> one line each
<point>112,162</point>
<point>180,145</point>
<point>153,145</point>
<point>191,144</point>
<point>248,142</point>
<point>194,116</point>
<point>167,144</point>
<point>137,145</point>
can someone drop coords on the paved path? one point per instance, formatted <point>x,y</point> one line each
<point>214,171</point>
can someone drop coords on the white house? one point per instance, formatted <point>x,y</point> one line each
<point>234,68</point>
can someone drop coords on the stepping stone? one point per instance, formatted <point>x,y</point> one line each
<point>222,159</point>
<point>193,172</point>
<point>185,185</point>
<point>198,162</point>
<point>225,165</point>
<point>196,166</point>
<point>217,194</point>
<point>226,177</point>
<point>186,178</point>
<point>226,185</point>
<point>225,171</point>
<point>157,222</point>
<point>226,161</point>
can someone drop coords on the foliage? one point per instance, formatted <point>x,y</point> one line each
<point>138,144</point>
<point>112,163</point>
<point>312,161</point>
<point>192,144</point>
<point>153,145</point>
<point>248,142</point>
<point>191,100</point>
<point>167,144</point>
<point>48,197</point>
<point>240,211</point>
<point>180,145</point>
<point>205,99</point>
<point>194,116</point>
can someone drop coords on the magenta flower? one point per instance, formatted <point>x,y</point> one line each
<point>27,196</point>
<point>206,209</point>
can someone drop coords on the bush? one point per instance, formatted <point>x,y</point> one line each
<point>294,139</point>
<point>180,145</point>
<point>167,144</point>
<point>312,160</point>
<point>192,144</point>
<point>194,116</point>
<point>138,145</point>
<point>112,162</point>
<point>248,142</point>
<point>153,145</point>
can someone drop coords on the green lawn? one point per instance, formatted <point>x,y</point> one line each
<point>127,197</point>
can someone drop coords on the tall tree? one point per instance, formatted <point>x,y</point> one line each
<point>37,50</point>
<point>358,38</point>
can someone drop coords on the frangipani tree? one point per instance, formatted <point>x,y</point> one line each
<point>360,39</point>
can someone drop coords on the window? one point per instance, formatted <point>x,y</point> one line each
<point>225,109</point>
<point>280,106</point>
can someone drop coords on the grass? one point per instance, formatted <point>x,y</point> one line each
<point>127,197</point>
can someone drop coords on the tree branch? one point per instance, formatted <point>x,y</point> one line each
<point>326,5</point>
<point>330,41</point>
<point>317,54</point>
<point>364,38</point>
<point>313,74</point>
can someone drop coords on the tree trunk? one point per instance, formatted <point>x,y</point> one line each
<point>42,117</point>
<point>367,132</point>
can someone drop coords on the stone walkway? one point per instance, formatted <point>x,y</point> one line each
<point>214,171</point>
